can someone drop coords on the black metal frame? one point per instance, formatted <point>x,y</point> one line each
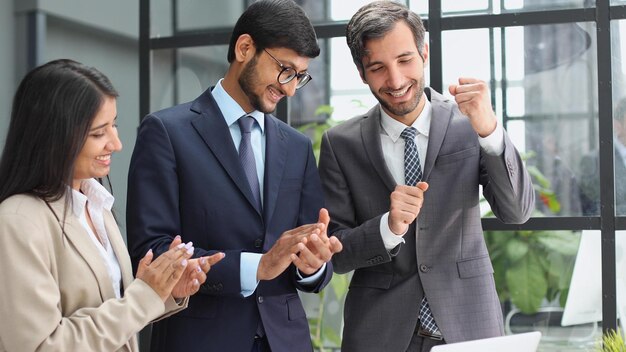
<point>601,15</point>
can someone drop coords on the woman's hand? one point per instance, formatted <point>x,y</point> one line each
<point>195,275</point>
<point>163,273</point>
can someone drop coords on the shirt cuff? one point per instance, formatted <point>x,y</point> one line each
<point>390,239</point>
<point>493,144</point>
<point>249,263</point>
<point>309,280</point>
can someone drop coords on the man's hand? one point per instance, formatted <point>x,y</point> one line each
<point>278,258</point>
<point>319,248</point>
<point>406,202</point>
<point>472,96</point>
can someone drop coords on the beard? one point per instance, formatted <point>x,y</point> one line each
<point>404,108</point>
<point>247,81</point>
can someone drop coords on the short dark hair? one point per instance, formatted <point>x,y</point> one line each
<point>276,24</point>
<point>375,20</point>
<point>53,109</point>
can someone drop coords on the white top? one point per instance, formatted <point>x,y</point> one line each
<point>93,195</point>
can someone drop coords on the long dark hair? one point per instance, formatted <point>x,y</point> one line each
<point>53,110</point>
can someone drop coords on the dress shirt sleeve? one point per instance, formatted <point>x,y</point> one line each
<point>493,144</point>
<point>390,239</point>
<point>249,267</point>
<point>313,279</point>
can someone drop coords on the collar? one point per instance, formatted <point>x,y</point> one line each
<point>231,110</point>
<point>95,193</point>
<point>394,128</point>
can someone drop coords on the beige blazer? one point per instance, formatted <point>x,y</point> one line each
<point>56,293</point>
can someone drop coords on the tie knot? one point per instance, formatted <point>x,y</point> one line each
<point>409,133</point>
<point>245,123</point>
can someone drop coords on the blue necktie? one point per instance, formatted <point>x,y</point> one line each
<point>413,175</point>
<point>246,157</point>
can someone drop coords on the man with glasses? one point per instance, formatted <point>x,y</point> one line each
<point>225,174</point>
<point>402,187</point>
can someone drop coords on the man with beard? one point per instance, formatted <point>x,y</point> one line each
<point>402,187</point>
<point>225,174</point>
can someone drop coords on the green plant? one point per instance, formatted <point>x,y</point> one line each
<point>612,341</point>
<point>324,332</point>
<point>315,130</point>
<point>533,266</point>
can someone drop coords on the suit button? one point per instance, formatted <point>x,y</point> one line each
<point>260,299</point>
<point>424,268</point>
<point>258,243</point>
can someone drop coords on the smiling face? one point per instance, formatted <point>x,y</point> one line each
<point>394,71</point>
<point>252,77</point>
<point>259,78</point>
<point>94,159</point>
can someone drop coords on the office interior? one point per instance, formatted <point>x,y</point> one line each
<point>556,70</point>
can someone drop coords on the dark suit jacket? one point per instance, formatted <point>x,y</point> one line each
<point>185,178</point>
<point>452,263</point>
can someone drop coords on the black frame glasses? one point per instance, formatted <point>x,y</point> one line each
<point>287,74</point>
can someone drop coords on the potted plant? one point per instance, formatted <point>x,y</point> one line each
<point>533,267</point>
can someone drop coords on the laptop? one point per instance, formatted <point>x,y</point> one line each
<point>526,342</point>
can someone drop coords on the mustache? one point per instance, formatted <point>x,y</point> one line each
<point>394,90</point>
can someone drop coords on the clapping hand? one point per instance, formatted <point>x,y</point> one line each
<point>319,248</point>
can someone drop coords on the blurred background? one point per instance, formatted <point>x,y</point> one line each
<point>556,70</point>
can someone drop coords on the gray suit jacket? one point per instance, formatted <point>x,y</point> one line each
<point>452,264</point>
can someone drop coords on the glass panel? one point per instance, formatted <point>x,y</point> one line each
<point>620,271</point>
<point>160,18</point>
<point>420,7</point>
<point>192,15</point>
<point>542,280</point>
<point>316,10</point>
<point>304,103</point>
<point>467,7</point>
<point>544,88</point>
<point>618,2</point>
<point>349,96</point>
<point>182,75</point>
<point>560,106</point>
<point>618,53</point>
<point>341,10</point>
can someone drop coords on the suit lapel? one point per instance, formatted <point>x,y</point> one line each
<point>78,236</point>
<point>370,133</point>
<point>440,119</point>
<point>275,157</point>
<point>212,128</point>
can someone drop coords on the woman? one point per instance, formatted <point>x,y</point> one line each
<point>65,271</point>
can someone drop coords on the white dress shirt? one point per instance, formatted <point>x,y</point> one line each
<point>96,198</point>
<point>393,152</point>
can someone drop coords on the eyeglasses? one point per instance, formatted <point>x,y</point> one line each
<point>287,74</point>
